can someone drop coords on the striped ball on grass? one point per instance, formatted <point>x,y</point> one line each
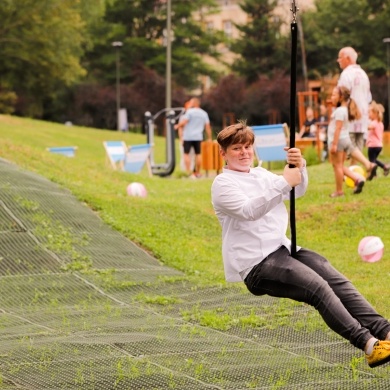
<point>137,189</point>
<point>371,249</point>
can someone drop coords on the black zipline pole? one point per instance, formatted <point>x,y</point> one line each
<point>293,93</point>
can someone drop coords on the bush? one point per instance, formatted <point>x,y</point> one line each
<point>311,157</point>
<point>7,101</point>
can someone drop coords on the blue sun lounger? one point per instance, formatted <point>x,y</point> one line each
<point>68,151</point>
<point>115,151</point>
<point>136,157</point>
<point>270,141</point>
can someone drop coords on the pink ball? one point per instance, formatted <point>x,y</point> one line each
<point>371,249</point>
<point>137,189</point>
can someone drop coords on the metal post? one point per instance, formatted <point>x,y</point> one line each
<point>149,123</point>
<point>170,152</point>
<point>168,88</point>
<point>387,41</point>
<point>118,45</point>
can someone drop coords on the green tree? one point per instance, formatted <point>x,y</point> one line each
<point>192,41</point>
<point>332,25</point>
<point>141,25</point>
<point>225,97</point>
<point>41,42</point>
<point>262,48</point>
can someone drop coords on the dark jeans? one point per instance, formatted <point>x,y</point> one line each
<point>373,154</point>
<point>310,278</point>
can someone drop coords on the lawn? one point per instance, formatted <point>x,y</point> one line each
<point>176,222</point>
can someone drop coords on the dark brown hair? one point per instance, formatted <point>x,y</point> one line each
<point>238,133</point>
<point>353,109</point>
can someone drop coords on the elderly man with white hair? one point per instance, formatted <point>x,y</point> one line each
<point>355,79</point>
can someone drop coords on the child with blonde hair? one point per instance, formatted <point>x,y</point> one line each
<point>375,136</point>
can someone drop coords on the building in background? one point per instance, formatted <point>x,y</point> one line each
<point>230,14</point>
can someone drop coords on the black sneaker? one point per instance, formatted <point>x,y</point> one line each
<point>358,187</point>
<point>372,172</point>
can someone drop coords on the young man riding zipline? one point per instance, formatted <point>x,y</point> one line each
<point>249,204</point>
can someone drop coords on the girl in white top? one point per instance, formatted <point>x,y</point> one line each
<point>339,141</point>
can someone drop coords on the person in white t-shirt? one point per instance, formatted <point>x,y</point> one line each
<point>249,204</point>
<point>191,127</point>
<point>355,79</point>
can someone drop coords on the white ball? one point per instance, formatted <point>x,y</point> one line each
<point>137,189</point>
<point>371,249</point>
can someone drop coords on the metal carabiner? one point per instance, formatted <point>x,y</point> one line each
<point>294,9</point>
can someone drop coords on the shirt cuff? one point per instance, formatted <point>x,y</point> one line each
<point>303,165</point>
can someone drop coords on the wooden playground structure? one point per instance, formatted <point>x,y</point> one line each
<point>311,99</point>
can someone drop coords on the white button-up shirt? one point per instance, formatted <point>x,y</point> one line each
<point>254,219</point>
<point>355,79</point>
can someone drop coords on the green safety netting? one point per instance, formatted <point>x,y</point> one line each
<point>82,307</point>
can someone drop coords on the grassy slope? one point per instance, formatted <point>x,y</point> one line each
<point>176,221</point>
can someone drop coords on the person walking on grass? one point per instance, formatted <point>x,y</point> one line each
<point>190,127</point>
<point>339,141</point>
<point>375,136</point>
<point>355,79</point>
<point>249,204</point>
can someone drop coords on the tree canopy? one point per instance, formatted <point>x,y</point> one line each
<point>141,27</point>
<point>332,25</point>
<point>41,43</point>
<point>261,46</point>
<point>58,62</point>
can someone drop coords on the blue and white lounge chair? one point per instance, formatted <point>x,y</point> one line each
<point>68,151</point>
<point>136,157</point>
<point>116,151</point>
<point>270,141</point>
